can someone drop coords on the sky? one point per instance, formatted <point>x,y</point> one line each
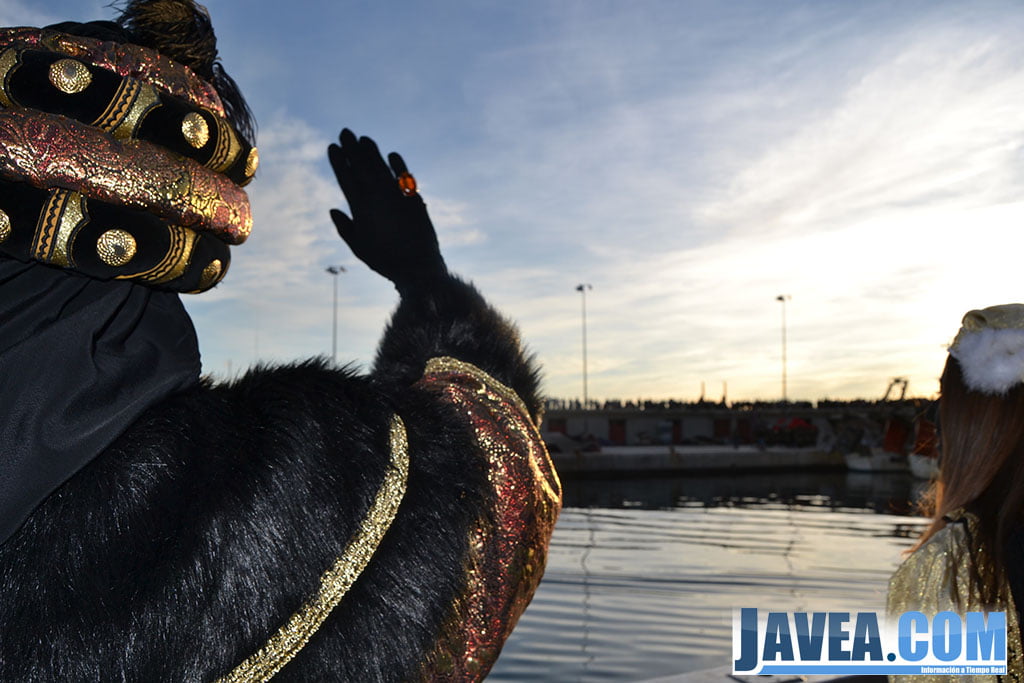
<point>692,161</point>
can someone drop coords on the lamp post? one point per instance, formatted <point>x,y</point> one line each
<point>335,271</point>
<point>582,289</point>
<point>783,298</point>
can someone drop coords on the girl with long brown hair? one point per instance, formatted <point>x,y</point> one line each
<point>969,557</point>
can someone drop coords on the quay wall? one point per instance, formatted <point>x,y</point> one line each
<point>612,460</point>
<point>764,424</point>
<point>681,426</point>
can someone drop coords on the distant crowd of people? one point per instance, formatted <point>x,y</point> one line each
<point>676,404</point>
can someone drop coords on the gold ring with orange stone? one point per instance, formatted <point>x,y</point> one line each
<point>407,184</point>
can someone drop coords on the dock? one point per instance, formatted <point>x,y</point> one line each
<point>682,459</point>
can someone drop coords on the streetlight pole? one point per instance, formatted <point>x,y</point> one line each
<point>783,298</point>
<point>582,289</point>
<point>335,271</point>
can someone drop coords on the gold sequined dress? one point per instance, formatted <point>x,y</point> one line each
<point>936,578</point>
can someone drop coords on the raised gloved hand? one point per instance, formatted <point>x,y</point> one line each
<point>389,229</point>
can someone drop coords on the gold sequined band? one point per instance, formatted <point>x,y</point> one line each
<point>124,59</point>
<point>446,364</point>
<point>48,151</point>
<point>508,545</point>
<point>440,364</point>
<point>336,581</point>
<point>126,110</point>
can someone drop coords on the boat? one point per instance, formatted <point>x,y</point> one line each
<point>923,466</point>
<point>924,458</point>
<point>890,454</point>
<point>877,460</point>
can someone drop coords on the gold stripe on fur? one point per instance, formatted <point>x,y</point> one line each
<point>336,581</point>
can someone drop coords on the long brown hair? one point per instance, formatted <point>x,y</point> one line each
<point>982,469</point>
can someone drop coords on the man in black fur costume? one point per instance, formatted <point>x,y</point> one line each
<point>303,522</point>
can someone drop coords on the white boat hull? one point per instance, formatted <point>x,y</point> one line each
<point>923,467</point>
<point>878,461</point>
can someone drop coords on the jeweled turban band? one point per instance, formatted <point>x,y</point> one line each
<point>141,173</point>
<point>135,61</point>
<point>64,228</point>
<point>50,151</point>
<point>127,108</point>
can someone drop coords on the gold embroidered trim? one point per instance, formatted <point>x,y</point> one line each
<point>146,101</point>
<point>119,105</point>
<point>46,226</point>
<point>228,148</point>
<point>132,101</point>
<point>9,59</point>
<point>441,364</point>
<point>337,580</point>
<point>449,364</point>
<point>175,262</point>
<point>72,218</point>
<point>62,214</point>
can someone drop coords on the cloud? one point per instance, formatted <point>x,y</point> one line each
<point>454,228</point>
<point>17,13</point>
<point>690,160</point>
<point>882,200</point>
<point>20,13</point>
<point>936,124</point>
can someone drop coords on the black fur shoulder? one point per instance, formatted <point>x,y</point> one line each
<point>177,552</point>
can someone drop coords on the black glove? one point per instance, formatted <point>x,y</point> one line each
<point>389,230</point>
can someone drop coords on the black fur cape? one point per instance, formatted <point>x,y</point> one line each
<point>176,553</point>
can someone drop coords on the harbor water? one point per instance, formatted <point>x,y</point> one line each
<point>644,574</point>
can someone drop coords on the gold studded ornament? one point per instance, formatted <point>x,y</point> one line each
<point>70,76</point>
<point>252,162</point>
<point>116,247</point>
<point>5,226</point>
<point>195,129</point>
<point>210,274</point>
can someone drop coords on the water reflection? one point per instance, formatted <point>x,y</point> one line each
<point>891,494</point>
<point>644,573</point>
